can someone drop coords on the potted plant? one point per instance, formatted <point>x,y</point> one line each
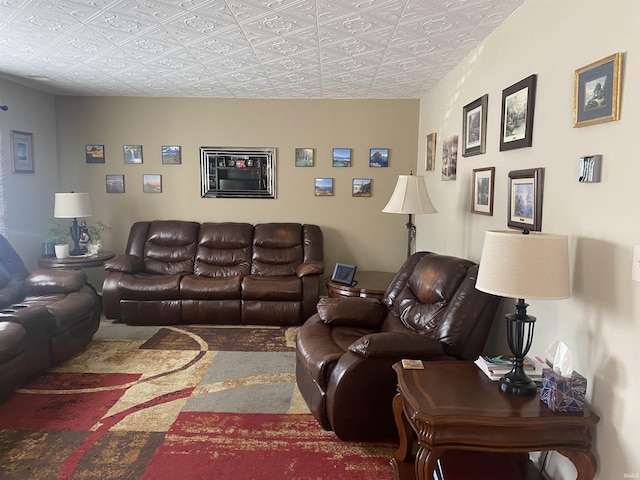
<point>96,231</point>
<point>56,235</point>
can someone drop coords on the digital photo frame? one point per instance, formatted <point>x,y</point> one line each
<point>343,273</point>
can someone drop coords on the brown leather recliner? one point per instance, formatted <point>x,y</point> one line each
<point>431,311</point>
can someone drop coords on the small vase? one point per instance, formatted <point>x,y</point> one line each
<point>62,251</point>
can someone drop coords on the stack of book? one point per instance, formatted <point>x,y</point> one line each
<point>496,367</point>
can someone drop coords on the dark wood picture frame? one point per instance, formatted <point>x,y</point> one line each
<point>94,153</point>
<point>518,104</point>
<point>596,92</point>
<point>524,211</point>
<point>474,127</point>
<point>482,189</point>
<point>361,187</point>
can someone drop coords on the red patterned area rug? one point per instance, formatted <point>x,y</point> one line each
<point>196,402</point>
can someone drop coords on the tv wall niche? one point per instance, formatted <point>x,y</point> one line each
<point>238,172</point>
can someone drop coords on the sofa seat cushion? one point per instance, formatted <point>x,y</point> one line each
<point>144,286</point>
<point>66,310</point>
<point>271,288</point>
<point>13,340</point>
<point>11,293</point>
<point>194,287</point>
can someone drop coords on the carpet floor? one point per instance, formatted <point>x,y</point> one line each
<point>188,402</point>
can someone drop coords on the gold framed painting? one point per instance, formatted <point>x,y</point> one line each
<point>596,92</point>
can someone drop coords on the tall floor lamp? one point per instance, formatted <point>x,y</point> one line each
<point>519,265</point>
<point>73,205</point>
<point>410,197</point>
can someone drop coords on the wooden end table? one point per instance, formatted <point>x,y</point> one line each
<point>453,405</point>
<point>75,263</point>
<point>367,284</point>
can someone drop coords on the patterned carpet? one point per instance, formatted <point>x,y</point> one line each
<point>196,402</point>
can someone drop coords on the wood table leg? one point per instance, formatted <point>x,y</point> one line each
<point>405,433</point>
<point>584,461</point>
<point>426,461</point>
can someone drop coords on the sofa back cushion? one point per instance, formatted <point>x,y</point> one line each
<point>430,288</point>
<point>224,250</point>
<point>170,247</point>
<point>277,249</point>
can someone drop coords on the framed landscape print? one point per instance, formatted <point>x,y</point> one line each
<point>115,183</point>
<point>482,191</point>
<point>430,153</point>
<point>450,158</point>
<point>596,92</point>
<point>516,125</point>
<point>379,157</point>
<point>361,187</point>
<point>22,150</point>
<point>171,155</point>
<point>132,153</point>
<point>304,157</point>
<point>474,127</point>
<point>524,210</point>
<point>94,153</point>
<point>341,157</point>
<point>151,183</point>
<point>324,187</point>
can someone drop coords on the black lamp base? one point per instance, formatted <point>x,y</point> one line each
<point>517,384</point>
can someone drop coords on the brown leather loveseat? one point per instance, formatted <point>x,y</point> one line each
<point>177,271</point>
<point>431,311</point>
<point>46,317</point>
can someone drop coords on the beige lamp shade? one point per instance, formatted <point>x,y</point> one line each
<point>72,205</point>
<point>532,266</point>
<point>410,196</point>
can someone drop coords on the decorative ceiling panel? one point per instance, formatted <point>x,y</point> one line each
<point>241,48</point>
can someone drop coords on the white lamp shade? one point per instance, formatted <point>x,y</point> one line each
<point>72,205</point>
<point>532,266</point>
<point>410,196</point>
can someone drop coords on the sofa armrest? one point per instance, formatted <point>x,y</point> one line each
<point>48,281</point>
<point>351,311</point>
<point>397,344</point>
<point>124,263</point>
<point>310,268</point>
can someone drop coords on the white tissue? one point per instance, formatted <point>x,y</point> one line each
<point>559,355</point>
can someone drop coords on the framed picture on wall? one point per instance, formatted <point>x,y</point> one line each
<point>482,190</point>
<point>430,153</point>
<point>524,209</point>
<point>94,153</point>
<point>341,157</point>
<point>151,183</point>
<point>474,127</point>
<point>516,125</point>
<point>304,157</point>
<point>361,187</point>
<point>324,187</point>
<point>596,97</point>
<point>132,153</point>
<point>171,155</point>
<point>379,157</point>
<point>115,183</point>
<point>22,152</point>
<point>450,158</point>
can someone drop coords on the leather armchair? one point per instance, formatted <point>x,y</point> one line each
<point>431,311</point>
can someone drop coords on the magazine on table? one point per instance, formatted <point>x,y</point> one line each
<point>496,367</point>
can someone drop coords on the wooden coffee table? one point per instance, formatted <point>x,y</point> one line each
<point>453,405</point>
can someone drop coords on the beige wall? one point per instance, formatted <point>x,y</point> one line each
<point>355,229</point>
<point>28,196</point>
<point>601,322</point>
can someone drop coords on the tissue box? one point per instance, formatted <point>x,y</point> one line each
<point>563,394</point>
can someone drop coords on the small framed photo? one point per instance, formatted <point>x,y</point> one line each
<point>151,183</point>
<point>516,125</point>
<point>474,127</point>
<point>343,273</point>
<point>22,149</point>
<point>450,158</point>
<point>482,191</point>
<point>324,187</point>
<point>361,187</point>
<point>304,157</point>
<point>94,153</point>
<point>430,153</point>
<point>132,153</point>
<point>115,183</point>
<point>379,157</point>
<point>341,157</point>
<point>171,155</point>
<point>596,97</point>
<point>524,210</point>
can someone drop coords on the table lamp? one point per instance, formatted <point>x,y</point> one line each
<point>521,265</point>
<point>410,197</point>
<point>73,205</point>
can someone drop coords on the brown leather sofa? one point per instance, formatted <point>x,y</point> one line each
<point>176,272</point>
<point>46,317</point>
<point>431,311</point>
